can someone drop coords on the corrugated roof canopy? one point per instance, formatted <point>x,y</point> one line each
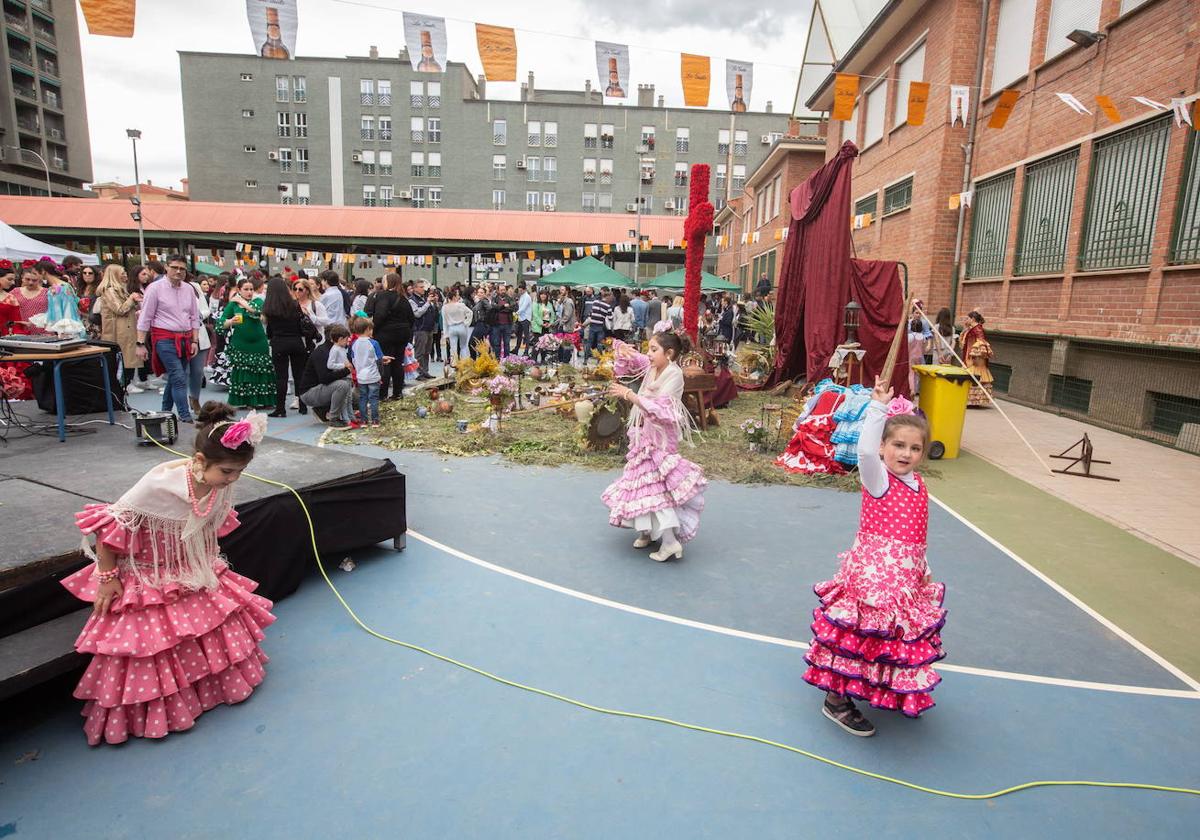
<point>398,227</point>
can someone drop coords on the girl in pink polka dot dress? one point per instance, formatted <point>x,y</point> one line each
<point>173,632</point>
<point>876,633</point>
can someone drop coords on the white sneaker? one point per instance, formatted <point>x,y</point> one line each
<point>131,388</point>
<point>295,403</point>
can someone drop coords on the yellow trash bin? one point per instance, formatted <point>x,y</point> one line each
<point>944,390</point>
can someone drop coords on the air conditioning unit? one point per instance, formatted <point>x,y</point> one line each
<point>272,155</point>
<point>668,204</point>
<point>520,164</point>
<point>549,208</point>
<point>356,157</point>
<point>631,207</point>
<point>404,195</point>
<point>766,139</point>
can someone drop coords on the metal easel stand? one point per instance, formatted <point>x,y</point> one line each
<point>1084,457</point>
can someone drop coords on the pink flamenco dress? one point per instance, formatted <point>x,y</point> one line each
<point>184,635</point>
<point>659,489</point>
<point>877,632</point>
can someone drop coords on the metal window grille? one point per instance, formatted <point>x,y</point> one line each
<point>989,226</point>
<point>385,169</point>
<point>418,170</point>
<point>681,178</point>
<point>535,139</point>
<point>416,100</point>
<point>606,177</point>
<point>719,183</point>
<point>499,137</point>
<point>418,196</point>
<point>1046,214</point>
<point>286,199</point>
<point>589,142</point>
<point>300,95</point>
<point>435,197</point>
<point>1169,412</point>
<point>385,99</point>
<point>1071,393</point>
<point>417,135</point>
<point>740,148</point>
<point>866,205</point>
<point>606,142</point>
<point>1001,376</point>
<point>367,133</point>
<point>681,144</point>
<point>498,171</point>
<point>285,165</point>
<point>550,141</point>
<point>368,169</point>
<point>681,205</point>
<point>385,134</point>
<point>366,99</point>
<point>435,100</point>
<point>1123,193</point>
<point>550,169</point>
<point>303,199</point>
<point>368,201</point>
<point>722,148</point>
<point>589,177</point>
<point>1185,245</point>
<point>897,196</point>
<point>435,131</point>
<point>302,166</point>
<point>435,171</point>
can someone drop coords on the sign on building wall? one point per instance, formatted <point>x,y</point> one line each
<point>273,26</point>
<point>739,78</point>
<point>425,37</point>
<point>612,66</point>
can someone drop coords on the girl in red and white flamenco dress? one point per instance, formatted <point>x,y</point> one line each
<point>877,630</point>
<point>173,631</point>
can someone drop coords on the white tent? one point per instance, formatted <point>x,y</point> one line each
<point>17,247</point>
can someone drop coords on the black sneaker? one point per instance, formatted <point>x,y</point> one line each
<point>849,718</point>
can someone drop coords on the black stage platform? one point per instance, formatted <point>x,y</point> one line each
<point>355,502</point>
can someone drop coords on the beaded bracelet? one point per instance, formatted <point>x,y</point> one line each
<point>105,577</point>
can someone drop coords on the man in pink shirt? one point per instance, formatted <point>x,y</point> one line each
<point>168,331</point>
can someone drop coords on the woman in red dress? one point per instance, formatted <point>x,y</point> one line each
<point>975,352</point>
<point>13,382</point>
<point>31,295</point>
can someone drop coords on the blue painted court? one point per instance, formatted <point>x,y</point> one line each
<point>514,570</point>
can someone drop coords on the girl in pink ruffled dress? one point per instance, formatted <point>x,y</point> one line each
<point>173,632</point>
<point>877,631</point>
<point>660,492</point>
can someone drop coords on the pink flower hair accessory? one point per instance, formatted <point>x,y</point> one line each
<point>665,325</point>
<point>252,428</point>
<point>900,405</point>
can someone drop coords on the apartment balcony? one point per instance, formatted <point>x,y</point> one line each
<point>29,126</point>
<point>50,68</point>
<point>385,134</point>
<point>385,99</point>
<point>366,133</point>
<point>52,99</point>
<point>44,33</point>
<point>57,135</point>
<point>21,57</point>
<point>19,24</point>
<point>366,99</point>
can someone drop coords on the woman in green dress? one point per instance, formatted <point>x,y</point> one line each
<point>252,376</point>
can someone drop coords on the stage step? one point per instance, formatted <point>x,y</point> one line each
<point>40,653</point>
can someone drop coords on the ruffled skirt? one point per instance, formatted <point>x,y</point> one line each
<point>162,657</point>
<point>877,631</point>
<point>659,490</point>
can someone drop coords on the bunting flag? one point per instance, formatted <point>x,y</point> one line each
<point>499,257</point>
<point>497,52</point>
<point>429,260</point>
<point>1109,109</point>
<point>273,26</point>
<point>845,89</point>
<point>1004,108</point>
<point>1196,115</point>
<point>533,256</point>
<point>671,244</point>
<point>593,250</point>
<point>1073,103</point>
<point>1180,109</point>
<point>113,18</point>
<point>754,238</point>
<point>960,199</point>
<point>960,103</point>
<point>612,68</point>
<point>1150,103</point>
<point>425,39</point>
<point>860,221</point>
<point>695,73</point>
<point>512,255</point>
<point>608,249</point>
<point>739,79</point>
<point>579,251</point>
<point>744,235</point>
<point>918,98</point>
<point>566,253</point>
<point>779,234</point>
<point>682,244</point>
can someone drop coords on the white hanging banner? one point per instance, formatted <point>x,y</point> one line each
<point>965,198</point>
<point>739,78</point>
<point>273,26</point>
<point>1183,113</point>
<point>425,38</point>
<point>1150,103</point>
<point>612,67</point>
<point>960,103</point>
<point>1073,103</point>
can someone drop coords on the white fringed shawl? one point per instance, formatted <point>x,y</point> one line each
<point>669,383</point>
<point>182,545</point>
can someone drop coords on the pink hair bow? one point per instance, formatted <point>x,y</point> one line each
<point>900,405</point>
<point>665,325</point>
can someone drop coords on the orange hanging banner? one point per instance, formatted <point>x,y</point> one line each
<point>918,98</point>
<point>607,249</point>
<point>696,75</point>
<point>497,52</point>
<point>109,17</point>
<point>845,89</point>
<point>531,255</point>
<point>566,253</point>
<point>1004,108</point>
<point>1109,109</point>
<point>499,257</point>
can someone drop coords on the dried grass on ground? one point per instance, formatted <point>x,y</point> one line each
<point>543,438</point>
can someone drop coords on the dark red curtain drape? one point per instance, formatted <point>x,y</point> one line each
<point>818,278</point>
<point>814,281</point>
<point>876,286</point>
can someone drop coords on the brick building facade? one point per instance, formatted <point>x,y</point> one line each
<point>1082,243</point>
<point>763,209</point>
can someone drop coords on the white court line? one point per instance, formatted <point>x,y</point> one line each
<point>1159,660</point>
<point>792,643</point>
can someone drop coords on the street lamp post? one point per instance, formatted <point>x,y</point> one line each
<point>41,160</point>
<point>134,135</point>
<point>637,250</point>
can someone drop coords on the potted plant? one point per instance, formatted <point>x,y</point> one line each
<point>755,433</point>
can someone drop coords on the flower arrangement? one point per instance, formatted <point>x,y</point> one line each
<point>500,386</point>
<point>604,365</point>
<point>514,365</point>
<point>484,366</point>
<point>549,342</point>
<point>754,431</point>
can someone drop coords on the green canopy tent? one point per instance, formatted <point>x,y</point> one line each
<point>208,269</point>
<point>708,282</point>
<point>587,271</point>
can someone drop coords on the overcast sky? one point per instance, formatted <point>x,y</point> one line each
<point>134,83</point>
